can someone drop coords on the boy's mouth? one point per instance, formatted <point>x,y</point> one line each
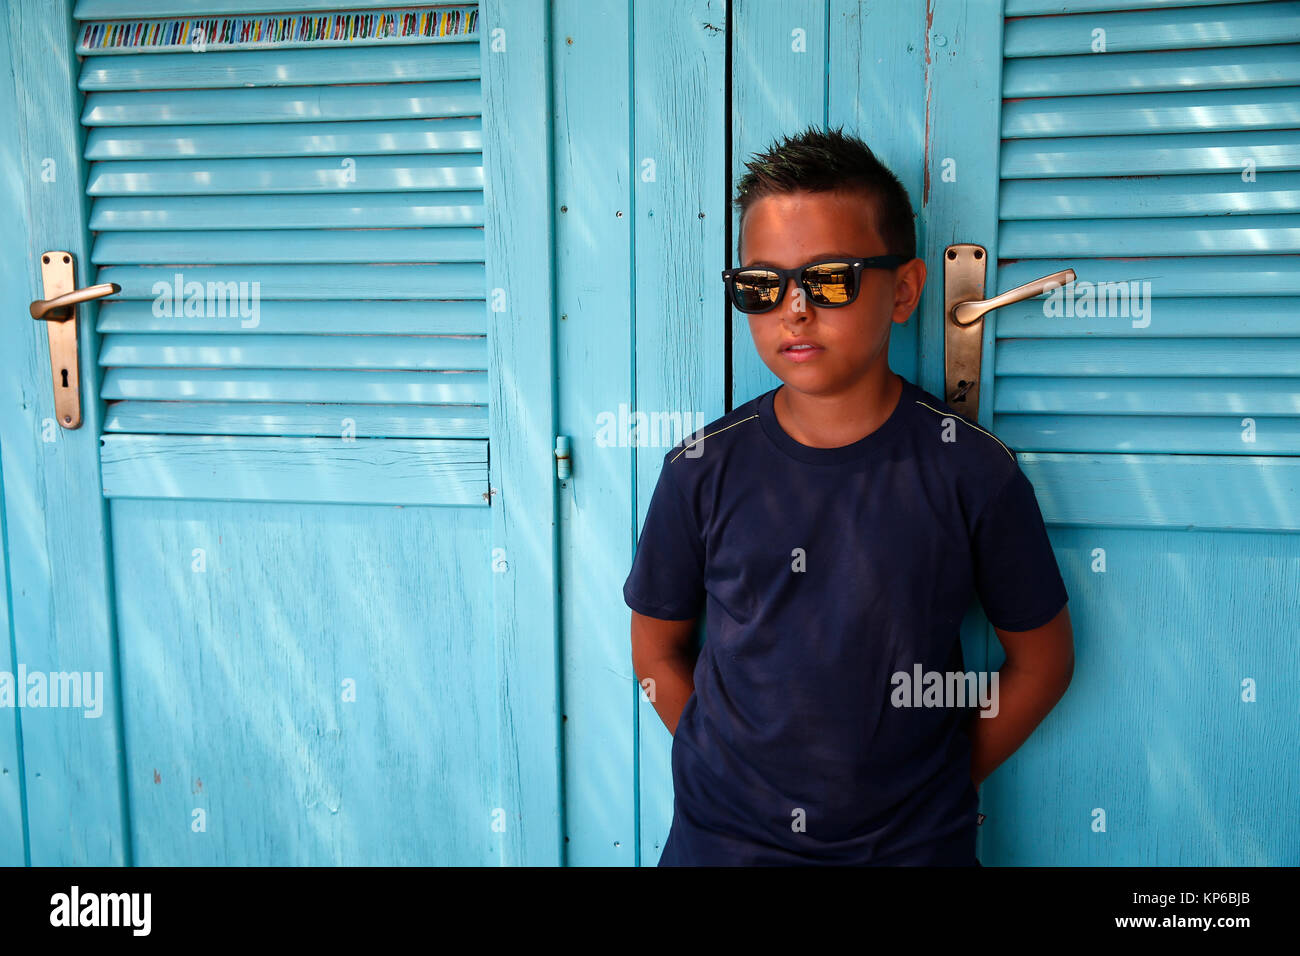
<point>800,350</point>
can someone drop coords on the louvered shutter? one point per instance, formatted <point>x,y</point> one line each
<point>1169,159</point>
<point>331,162</point>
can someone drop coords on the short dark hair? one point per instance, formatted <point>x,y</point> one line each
<point>819,160</point>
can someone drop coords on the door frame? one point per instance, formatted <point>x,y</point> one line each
<point>71,768</point>
<point>518,198</point>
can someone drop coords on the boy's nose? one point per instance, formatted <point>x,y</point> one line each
<point>795,301</point>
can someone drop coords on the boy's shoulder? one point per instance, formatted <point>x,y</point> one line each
<point>713,441</point>
<point>967,445</point>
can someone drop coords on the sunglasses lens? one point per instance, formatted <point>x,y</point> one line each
<point>830,283</point>
<point>756,289</point>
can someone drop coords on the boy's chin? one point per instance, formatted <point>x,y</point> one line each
<point>809,382</point>
<point>812,381</point>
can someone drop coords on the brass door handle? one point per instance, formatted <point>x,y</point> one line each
<point>964,269</point>
<point>968,313</point>
<point>59,310</point>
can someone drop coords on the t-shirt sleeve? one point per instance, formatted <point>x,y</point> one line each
<point>1016,575</point>
<point>667,577</point>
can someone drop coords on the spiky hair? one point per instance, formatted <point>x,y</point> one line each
<point>818,160</point>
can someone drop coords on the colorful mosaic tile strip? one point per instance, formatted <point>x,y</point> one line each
<point>408,25</point>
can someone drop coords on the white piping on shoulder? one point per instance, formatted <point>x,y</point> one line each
<point>702,437</point>
<point>971,424</point>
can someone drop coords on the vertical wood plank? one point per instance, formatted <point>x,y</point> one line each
<point>13,824</point>
<point>958,203</point>
<point>778,88</point>
<point>14,277</point>
<point>679,78</point>
<point>55,515</point>
<point>959,197</point>
<point>593,51</point>
<point>876,65</point>
<point>518,198</point>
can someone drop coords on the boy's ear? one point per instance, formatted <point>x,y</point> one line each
<point>908,283</point>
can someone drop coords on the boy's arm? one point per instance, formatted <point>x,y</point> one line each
<point>664,663</point>
<point>1038,668</point>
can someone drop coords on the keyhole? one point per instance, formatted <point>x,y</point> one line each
<point>65,377</point>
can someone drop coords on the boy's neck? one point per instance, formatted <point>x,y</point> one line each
<point>832,421</point>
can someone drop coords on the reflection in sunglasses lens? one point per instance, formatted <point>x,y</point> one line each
<point>757,289</point>
<point>830,284</point>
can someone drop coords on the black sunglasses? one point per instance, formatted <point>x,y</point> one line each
<point>830,283</point>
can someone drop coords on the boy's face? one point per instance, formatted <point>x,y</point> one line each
<point>788,230</point>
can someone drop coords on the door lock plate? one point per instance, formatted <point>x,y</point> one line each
<point>964,270</point>
<point>60,278</point>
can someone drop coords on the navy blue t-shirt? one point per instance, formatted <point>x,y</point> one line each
<point>823,572</point>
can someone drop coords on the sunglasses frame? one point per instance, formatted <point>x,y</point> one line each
<point>871,262</point>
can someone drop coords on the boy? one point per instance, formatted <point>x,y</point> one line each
<point>838,525</point>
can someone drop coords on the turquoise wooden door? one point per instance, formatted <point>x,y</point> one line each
<point>276,536</point>
<point>1137,143</point>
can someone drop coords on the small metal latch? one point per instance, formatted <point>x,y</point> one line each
<point>59,312</point>
<point>964,270</point>
<point>561,456</point>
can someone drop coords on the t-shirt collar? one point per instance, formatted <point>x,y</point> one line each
<point>844,453</point>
